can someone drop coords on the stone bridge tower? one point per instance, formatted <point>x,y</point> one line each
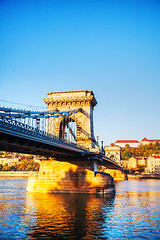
<point>73,100</point>
<point>71,173</point>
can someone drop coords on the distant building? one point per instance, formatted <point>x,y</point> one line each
<point>142,161</point>
<point>133,162</point>
<point>9,160</point>
<point>123,143</point>
<point>153,164</point>
<point>146,141</point>
<point>113,152</point>
<point>135,143</point>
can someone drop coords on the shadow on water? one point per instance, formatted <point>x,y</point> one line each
<point>68,216</point>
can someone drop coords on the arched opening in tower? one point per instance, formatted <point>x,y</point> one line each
<point>68,129</point>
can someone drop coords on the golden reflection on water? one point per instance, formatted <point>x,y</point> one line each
<point>61,214</point>
<point>133,213</point>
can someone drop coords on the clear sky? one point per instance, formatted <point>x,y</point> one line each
<point>111,47</point>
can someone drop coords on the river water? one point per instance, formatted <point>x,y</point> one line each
<point>132,213</point>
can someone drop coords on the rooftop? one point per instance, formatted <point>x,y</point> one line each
<point>150,140</point>
<point>126,141</point>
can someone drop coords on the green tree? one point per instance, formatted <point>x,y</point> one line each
<point>126,154</point>
<point>141,151</point>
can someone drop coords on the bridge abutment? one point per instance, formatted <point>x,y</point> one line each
<point>65,177</point>
<point>116,174</point>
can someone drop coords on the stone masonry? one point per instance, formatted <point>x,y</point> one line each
<point>73,100</point>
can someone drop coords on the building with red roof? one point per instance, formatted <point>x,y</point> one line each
<point>123,143</point>
<point>147,141</point>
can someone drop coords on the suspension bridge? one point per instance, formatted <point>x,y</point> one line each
<point>63,134</point>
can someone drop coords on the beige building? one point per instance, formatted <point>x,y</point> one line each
<point>146,141</point>
<point>142,161</point>
<point>133,162</point>
<point>153,164</point>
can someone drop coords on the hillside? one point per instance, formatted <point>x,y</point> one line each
<point>141,151</point>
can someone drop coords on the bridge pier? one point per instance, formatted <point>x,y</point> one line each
<point>116,174</point>
<point>69,177</point>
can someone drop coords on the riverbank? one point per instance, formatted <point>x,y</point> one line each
<point>22,174</point>
<point>16,174</point>
<point>143,176</point>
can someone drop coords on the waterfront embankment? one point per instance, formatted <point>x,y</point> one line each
<point>26,174</point>
<point>15,174</point>
<point>143,176</point>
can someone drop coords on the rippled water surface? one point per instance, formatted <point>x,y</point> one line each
<point>133,213</point>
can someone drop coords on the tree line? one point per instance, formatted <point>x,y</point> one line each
<point>141,151</point>
<point>26,163</point>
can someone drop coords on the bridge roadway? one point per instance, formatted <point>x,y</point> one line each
<point>22,138</point>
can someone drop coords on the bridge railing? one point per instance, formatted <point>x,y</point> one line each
<point>10,123</point>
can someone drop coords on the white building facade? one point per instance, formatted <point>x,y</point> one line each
<point>130,143</point>
<point>153,164</point>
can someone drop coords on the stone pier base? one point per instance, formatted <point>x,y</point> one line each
<point>64,177</point>
<point>116,174</point>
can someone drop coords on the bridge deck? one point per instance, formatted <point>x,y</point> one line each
<point>19,137</point>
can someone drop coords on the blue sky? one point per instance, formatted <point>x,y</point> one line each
<point>111,47</point>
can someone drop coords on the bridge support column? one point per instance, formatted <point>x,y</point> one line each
<point>69,177</point>
<point>116,174</point>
